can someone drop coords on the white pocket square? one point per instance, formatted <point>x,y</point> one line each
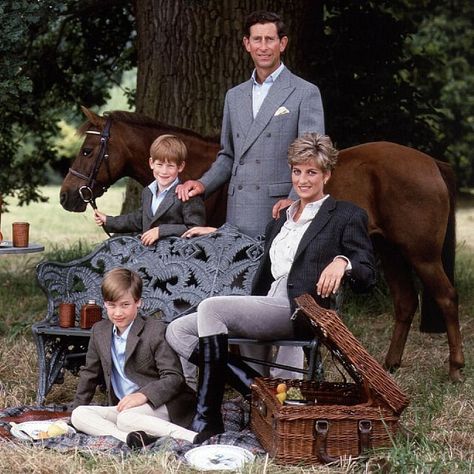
<point>282,111</point>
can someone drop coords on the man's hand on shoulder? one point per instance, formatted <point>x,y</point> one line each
<point>281,204</point>
<point>189,189</point>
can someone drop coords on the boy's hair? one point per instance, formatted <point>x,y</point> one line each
<point>169,148</point>
<point>313,146</point>
<point>264,17</point>
<point>118,281</point>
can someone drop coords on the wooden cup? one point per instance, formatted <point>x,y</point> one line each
<point>67,315</point>
<point>20,234</point>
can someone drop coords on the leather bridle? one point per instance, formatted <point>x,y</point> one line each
<point>85,191</point>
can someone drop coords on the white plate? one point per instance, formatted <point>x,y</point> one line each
<point>30,429</point>
<point>218,457</point>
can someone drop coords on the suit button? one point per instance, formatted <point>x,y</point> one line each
<point>257,187</point>
<point>239,186</point>
<point>241,162</point>
<point>269,134</point>
<point>238,135</point>
<point>290,285</point>
<point>257,161</point>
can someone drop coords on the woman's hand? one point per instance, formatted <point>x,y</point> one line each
<point>197,231</point>
<point>133,400</point>
<point>330,279</point>
<point>150,236</point>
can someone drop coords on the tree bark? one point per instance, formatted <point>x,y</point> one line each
<point>190,53</point>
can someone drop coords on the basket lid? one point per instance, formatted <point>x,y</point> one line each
<point>337,337</point>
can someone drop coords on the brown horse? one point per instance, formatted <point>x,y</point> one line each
<point>408,195</point>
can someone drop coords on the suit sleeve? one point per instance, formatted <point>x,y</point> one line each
<point>90,376</point>
<point>193,214</point>
<point>357,247</point>
<point>171,380</point>
<point>132,222</point>
<point>220,171</point>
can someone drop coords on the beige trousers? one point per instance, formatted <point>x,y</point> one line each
<point>100,421</point>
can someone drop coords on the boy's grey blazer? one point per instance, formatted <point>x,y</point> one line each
<point>253,153</point>
<point>339,228</point>
<point>173,217</point>
<point>149,362</point>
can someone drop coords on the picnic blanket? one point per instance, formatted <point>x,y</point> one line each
<point>236,416</point>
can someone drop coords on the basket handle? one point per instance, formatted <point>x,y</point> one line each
<point>321,428</point>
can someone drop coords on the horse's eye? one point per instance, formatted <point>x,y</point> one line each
<point>86,151</point>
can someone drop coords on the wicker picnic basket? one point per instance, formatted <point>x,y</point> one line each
<point>347,418</point>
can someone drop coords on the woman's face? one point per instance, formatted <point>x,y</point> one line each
<point>308,181</point>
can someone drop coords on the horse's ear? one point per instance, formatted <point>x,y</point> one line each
<point>93,118</point>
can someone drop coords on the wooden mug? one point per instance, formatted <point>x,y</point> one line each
<point>67,315</point>
<point>20,234</point>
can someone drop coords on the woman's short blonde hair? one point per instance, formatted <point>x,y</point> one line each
<point>119,281</point>
<point>169,148</point>
<point>313,146</point>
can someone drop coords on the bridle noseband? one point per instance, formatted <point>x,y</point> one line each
<point>85,191</point>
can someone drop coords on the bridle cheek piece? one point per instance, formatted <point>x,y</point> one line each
<point>85,191</point>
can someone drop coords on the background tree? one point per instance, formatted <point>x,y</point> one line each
<point>398,70</point>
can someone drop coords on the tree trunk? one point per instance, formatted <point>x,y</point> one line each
<point>190,53</point>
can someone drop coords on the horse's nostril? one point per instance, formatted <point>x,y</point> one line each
<point>62,198</point>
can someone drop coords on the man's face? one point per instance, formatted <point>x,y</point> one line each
<point>265,46</point>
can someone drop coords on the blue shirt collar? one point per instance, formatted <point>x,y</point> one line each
<point>271,78</point>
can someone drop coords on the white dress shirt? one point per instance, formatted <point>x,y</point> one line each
<point>260,91</point>
<point>285,244</point>
<point>157,195</point>
<point>121,384</point>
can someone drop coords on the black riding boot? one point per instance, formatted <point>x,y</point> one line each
<point>238,374</point>
<point>213,352</point>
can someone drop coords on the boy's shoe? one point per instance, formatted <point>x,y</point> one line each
<point>139,439</point>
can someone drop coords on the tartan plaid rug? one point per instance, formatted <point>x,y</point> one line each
<point>235,413</point>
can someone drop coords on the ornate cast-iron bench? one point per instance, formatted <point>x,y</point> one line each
<point>177,274</point>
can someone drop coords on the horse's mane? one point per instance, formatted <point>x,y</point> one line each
<point>140,120</point>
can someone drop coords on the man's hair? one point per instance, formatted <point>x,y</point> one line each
<point>313,146</point>
<point>264,17</point>
<point>169,148</point>
<point>118,281</point>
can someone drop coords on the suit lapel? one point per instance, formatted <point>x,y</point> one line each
<point>277,95</point>
<point>319,222</point>
<point>104,343</point>
<point>147,197</point>
<point>168,201</point>
<point>133,337</point>
<point>244,107</point>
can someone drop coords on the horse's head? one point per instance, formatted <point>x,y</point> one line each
<point>99,163</point>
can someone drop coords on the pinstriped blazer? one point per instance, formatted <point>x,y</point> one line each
<point>339,228</point>
<point>253,155</point>
<point>173,216</point>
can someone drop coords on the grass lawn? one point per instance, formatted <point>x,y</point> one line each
<point>440,415</point>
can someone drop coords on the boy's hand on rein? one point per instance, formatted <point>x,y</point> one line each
<point>99,217</point>
<point>133,400</point>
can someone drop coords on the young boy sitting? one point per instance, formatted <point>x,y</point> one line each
<point>145,386</point>
<point>162,213</point>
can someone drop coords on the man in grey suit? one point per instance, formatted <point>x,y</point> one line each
<point>262,117</point>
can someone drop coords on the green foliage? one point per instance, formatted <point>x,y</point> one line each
<point>54,56</point>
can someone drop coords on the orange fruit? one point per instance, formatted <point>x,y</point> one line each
<point>281,388</point>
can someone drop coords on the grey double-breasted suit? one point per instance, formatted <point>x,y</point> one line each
<point>149,362</point>
<point>173,216</point>
<point>253,153</point>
